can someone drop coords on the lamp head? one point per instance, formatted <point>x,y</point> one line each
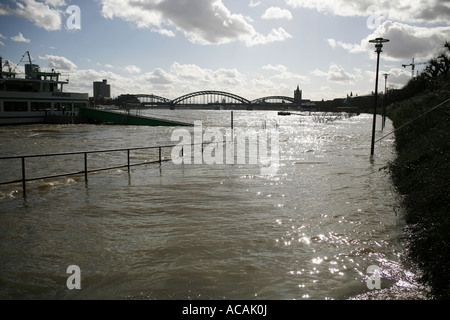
<point>378,43</point>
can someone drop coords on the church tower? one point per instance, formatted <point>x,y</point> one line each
<point>298,96</point>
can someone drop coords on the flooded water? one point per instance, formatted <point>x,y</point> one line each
<point>202,231</point>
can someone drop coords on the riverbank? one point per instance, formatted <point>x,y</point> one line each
<point>421,173</point>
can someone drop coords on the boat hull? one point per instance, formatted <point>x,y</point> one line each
<point>35,107</point>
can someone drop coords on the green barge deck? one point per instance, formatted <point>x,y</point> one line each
<point>114,117</point>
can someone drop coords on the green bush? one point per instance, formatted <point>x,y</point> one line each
<point>421,173</point>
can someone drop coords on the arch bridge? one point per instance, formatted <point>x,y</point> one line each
<point>210,98</point>
<point>214,99</point>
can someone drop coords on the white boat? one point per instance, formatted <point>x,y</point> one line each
<point>35,97</point>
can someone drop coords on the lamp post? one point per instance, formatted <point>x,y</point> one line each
<point>384,101</point>
<point>378,45</point>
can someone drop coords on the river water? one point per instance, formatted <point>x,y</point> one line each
<point>309,231</point>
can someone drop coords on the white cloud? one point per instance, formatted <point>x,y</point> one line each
<point>336,74</point>
<point>184,78</point>
<point>396,76</point>
<point>277,13</point>
<point>201,21</point>
<point>164,32</point>
<point>229,77</point>
<point>55,3</point>
<point>339,74</point>
<point>132,69</point>
<point>352,48</point>
<point>279,67</point>
<point>292,78</point>
<point>144,15</point>
<point>192,72</point>
<point>20,38</point>
<point>59,63</point>
<point>434,11</point>
<point>39,13</point>
<point>190,76</point>
<point>283,75</point>
<point>275,35</point>
<point>159,77</point>
<point>409,41</point>
<point>254,4</point>
<point>319,73</point>
<point>405,41</point>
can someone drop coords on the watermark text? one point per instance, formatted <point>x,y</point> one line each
<point>73,22</point>
<point>376,15</point>
<point>374,281</point>
<point>74,281</point>
<point>218,146</point>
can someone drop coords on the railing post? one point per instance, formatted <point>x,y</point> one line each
<point>85,167</point>
<point>232,120</point>
<point>128,159</point>
<point>23,178</point>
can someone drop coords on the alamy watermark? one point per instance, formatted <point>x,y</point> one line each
<point>218,146</point>
<point>376,15</point>
<point>374,281</point>
<point>74,281</point>
<point>73,22</point>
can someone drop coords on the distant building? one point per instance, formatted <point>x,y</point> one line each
<point>298,96</point>
<point>102,90</point>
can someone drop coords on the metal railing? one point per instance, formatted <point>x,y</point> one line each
<point>85,170</point>
<point>411,121</point>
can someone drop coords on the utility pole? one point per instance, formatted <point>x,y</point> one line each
<point>378,45</point>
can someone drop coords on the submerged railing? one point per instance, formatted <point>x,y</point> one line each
<point>85,170</point>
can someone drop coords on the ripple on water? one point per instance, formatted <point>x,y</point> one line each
<point>310,231</point>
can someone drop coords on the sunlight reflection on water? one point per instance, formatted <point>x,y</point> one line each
<point>198,231</point>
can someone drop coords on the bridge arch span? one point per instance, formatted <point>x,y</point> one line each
<point>151,98</point>
<point>273,99</point>
<point>210,97</point>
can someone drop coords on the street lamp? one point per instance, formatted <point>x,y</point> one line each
<point>378,45</point>
<point>384,101</point>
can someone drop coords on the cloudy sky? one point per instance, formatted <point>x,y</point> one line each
<point>252,48</point>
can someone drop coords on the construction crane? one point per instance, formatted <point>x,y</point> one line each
<point>412,65</point>
<point>25,55</point>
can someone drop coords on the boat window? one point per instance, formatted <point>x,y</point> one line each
<point>62,106</point>
<point>21,86</point>
<point>15,106</point>
<point>41,106</point>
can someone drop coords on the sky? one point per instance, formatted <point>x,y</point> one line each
<point>252,48</point>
